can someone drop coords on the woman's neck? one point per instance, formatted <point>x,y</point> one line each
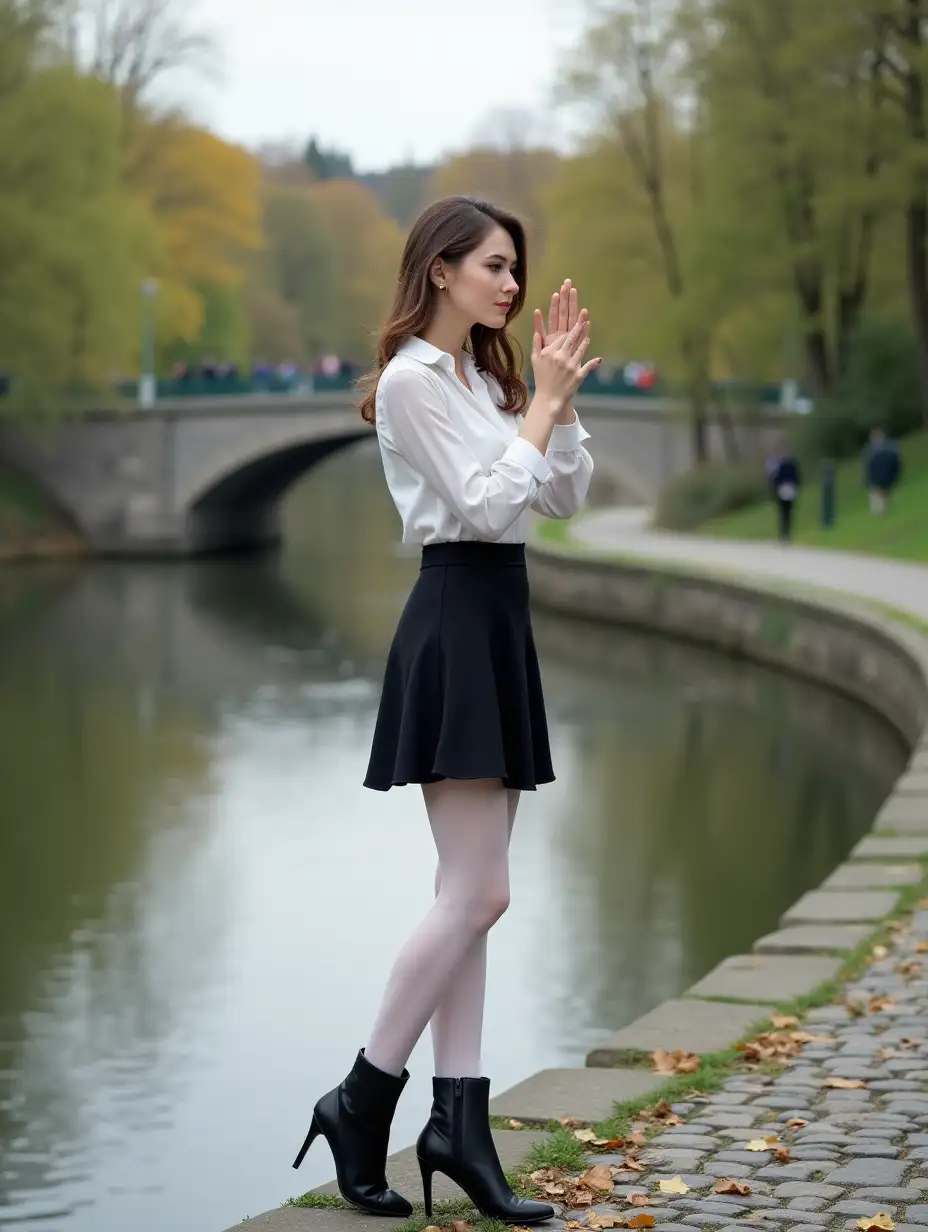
<point>449,336</point>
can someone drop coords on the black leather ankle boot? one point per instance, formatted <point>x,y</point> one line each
<point>457,1141</point>
<point>355,1120</point>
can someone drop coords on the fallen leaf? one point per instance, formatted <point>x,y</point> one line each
<point>633,1164</point>
<point>879,951</point>
<point>585,1135</point>
<point>728,1186</point>
<point>568,1122</point>
<point>555,1190</point>
<point>515,1124</point>
<point>881,1221</point>
<point>573,1223</point>
<point>641,1221</point>
<point>796,1123</point>
<point>676,1062</point>
<point>596,1220</point>
<point>782,1021</point>
<point>598,1177</point>
<point>583,1197</point>
<point>845,1084</point>
<point>910,970</point>
<point>921,947</point>
<point>783,1155</point>
<point>675,1185</point>
<point>758,1144</point>
<point>878,1004</point>
<point>638,1138</point>
<point>609,1144</point>
<point>637,1199</point>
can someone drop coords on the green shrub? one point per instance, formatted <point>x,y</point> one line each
<point>710,490</point>
<point>878,389</point>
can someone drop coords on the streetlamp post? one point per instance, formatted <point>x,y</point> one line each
<point>147,380</point>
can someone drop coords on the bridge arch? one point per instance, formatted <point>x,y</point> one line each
<point>236,506</point>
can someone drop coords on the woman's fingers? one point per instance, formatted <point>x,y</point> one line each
<point>540,325</point>
<point>568,341</point>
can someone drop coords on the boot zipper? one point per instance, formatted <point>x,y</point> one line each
<point>457,1131</point>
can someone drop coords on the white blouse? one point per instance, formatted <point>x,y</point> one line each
<point>454,462</point>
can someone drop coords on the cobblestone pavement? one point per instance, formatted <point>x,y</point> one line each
<point>863,1149</point>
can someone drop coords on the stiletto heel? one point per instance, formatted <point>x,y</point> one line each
<point>457,1142</point>
<point>355,1119</point>
<point>427,1171</point>
<point>315,1130</point>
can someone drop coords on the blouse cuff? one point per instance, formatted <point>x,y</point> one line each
<point>525,453</point>
<point>565,437</point>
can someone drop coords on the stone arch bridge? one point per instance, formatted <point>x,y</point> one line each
<point>201,475</point>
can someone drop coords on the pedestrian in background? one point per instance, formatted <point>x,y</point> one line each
<point>882,469</point>
<point>785,479</point>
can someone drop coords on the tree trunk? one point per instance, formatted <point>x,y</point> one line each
<point>917,263</point>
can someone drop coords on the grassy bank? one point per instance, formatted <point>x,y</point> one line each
<point>30,525</point>
<point>900,533</point>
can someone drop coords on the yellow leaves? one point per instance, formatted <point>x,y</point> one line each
<point>777,1047</point>
<point>845,1084</point>
<point>875,1005</point>
<point>676,1062</point>
<point>881,1222</point>
<point>783,1021</point>
<point>514,1124</point>
<point>676,1185</point>
<point>641,1221</point>
<point>762,1144</point>
<point>726,1185</point>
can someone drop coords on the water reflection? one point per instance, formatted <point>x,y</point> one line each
<point>199,901</point>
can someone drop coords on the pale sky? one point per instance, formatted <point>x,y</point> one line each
<point>382,79</point>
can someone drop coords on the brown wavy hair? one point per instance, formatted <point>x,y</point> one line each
<point>450,229</point>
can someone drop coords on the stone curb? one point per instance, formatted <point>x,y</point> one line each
<point>827,638</point>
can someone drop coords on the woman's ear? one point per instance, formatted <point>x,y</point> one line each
<point>437,274</point>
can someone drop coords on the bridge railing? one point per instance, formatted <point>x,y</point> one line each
<point>610,386</point>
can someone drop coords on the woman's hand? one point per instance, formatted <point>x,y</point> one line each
<point>558,365</point>
<point>563,314</point>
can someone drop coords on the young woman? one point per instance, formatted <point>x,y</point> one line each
<point>462,711</point>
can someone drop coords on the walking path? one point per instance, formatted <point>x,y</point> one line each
<point>895,583</point>
<point>837,1139</point>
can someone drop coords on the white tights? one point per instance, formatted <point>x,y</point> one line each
<point>440,973</point>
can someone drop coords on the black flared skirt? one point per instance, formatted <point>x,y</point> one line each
<point>462,696</point>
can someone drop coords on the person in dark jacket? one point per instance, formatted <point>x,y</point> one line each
<point>882,469</point>
<point>785,479</point>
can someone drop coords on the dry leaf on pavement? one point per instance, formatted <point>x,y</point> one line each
<point>637,1199</point>
<point>796,1123</point>
<point>676,1185</point>
<point>599,1177</point>
<point>782,1021</point>
<point>641,1221</point>
<point>676,1062</point>
<point>845,1084</point>
<point>881,1222</point>
<point>725,1185</point>
<point>595,1220</point>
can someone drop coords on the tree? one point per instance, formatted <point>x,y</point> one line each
<point>293,285</point>
<point>900,35</point>
<point>327,164</point>
<point>365,249</point>
<point>204,195</point>
<point>73,246</point>
<point>793,104</point>
<point>623,69</point>
<point>131,44</point>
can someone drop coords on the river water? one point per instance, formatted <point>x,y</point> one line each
<point>200,902</point>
